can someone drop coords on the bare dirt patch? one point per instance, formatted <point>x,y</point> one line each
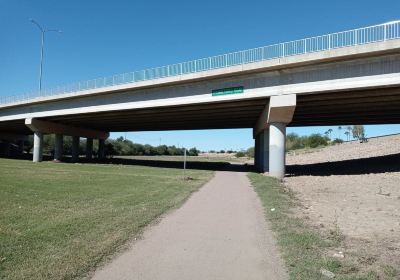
<point>354,188</point>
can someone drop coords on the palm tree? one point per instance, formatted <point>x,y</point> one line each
<point>340,130</point>
<point>347,135</point>
<point>330,133</point>
<point>349,129</point>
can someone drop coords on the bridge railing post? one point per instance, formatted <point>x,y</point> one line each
<point>385,32</point>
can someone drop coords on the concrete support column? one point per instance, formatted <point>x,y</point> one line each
<point>277,149</point>
<point>75,148</point>
<point>261,151</point>
<point>264,151</point>
<point>256,152</point>
<point>100,151</point>
<point>37,146</point>
<point>89,148</point>
<point>58,147</point>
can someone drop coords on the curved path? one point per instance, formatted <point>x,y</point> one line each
<point>219,233</point>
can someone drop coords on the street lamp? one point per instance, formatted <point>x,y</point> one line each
<point>43,31</point>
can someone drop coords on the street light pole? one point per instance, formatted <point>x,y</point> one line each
<point>42,31</point>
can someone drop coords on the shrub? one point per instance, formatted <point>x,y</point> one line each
<point>240,154</point>
<point>337,141</point>
<point>316,140</point>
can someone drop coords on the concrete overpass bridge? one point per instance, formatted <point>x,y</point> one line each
<point>350,77</point>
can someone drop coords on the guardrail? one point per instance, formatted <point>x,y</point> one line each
<point>361,36</point>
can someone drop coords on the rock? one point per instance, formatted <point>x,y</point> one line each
<point>338,255</point>
<point>327,273</point>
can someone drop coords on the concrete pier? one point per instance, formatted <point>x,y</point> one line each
<point>100,152</point>
<point>89,148</point>
<point>58,147</point>
<point>261,151</point>
<point>277,150</point>
<point>75,148</point>
<point>37,146</point>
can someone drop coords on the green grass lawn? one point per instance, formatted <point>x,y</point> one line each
<point>58,221</point>
<point>304,248</point>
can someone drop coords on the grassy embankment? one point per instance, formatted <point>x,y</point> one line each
<point>304,248</point>
<point>59,221</point>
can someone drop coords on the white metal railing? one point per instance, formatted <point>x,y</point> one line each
<point>366,35</point>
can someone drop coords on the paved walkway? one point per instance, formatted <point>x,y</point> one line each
<point>219,233</point>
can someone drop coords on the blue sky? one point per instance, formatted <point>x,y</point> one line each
<point>102,38</point>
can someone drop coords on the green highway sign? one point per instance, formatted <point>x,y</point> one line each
<point>226,91</point>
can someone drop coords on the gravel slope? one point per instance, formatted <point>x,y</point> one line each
<point>365,205</point>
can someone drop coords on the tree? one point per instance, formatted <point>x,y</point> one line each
<point>240,154</point>
<point>193,152</point>
<point>340,130</point>
<point>347,135</point>
<point>250,152</point>
<point>359,132</point>
<point>316,140</point>
<point>294,141</point>
<point>330,133</point>
<point>349,129</point>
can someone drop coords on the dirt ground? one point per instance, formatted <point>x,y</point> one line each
<point>353,187</point>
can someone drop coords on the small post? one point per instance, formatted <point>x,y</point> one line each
<point>305,45</point>
<point>184,164</point>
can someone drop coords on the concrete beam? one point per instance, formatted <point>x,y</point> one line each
<point>337,54</point>
<point>281,108</point>
<point>47,127</point>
